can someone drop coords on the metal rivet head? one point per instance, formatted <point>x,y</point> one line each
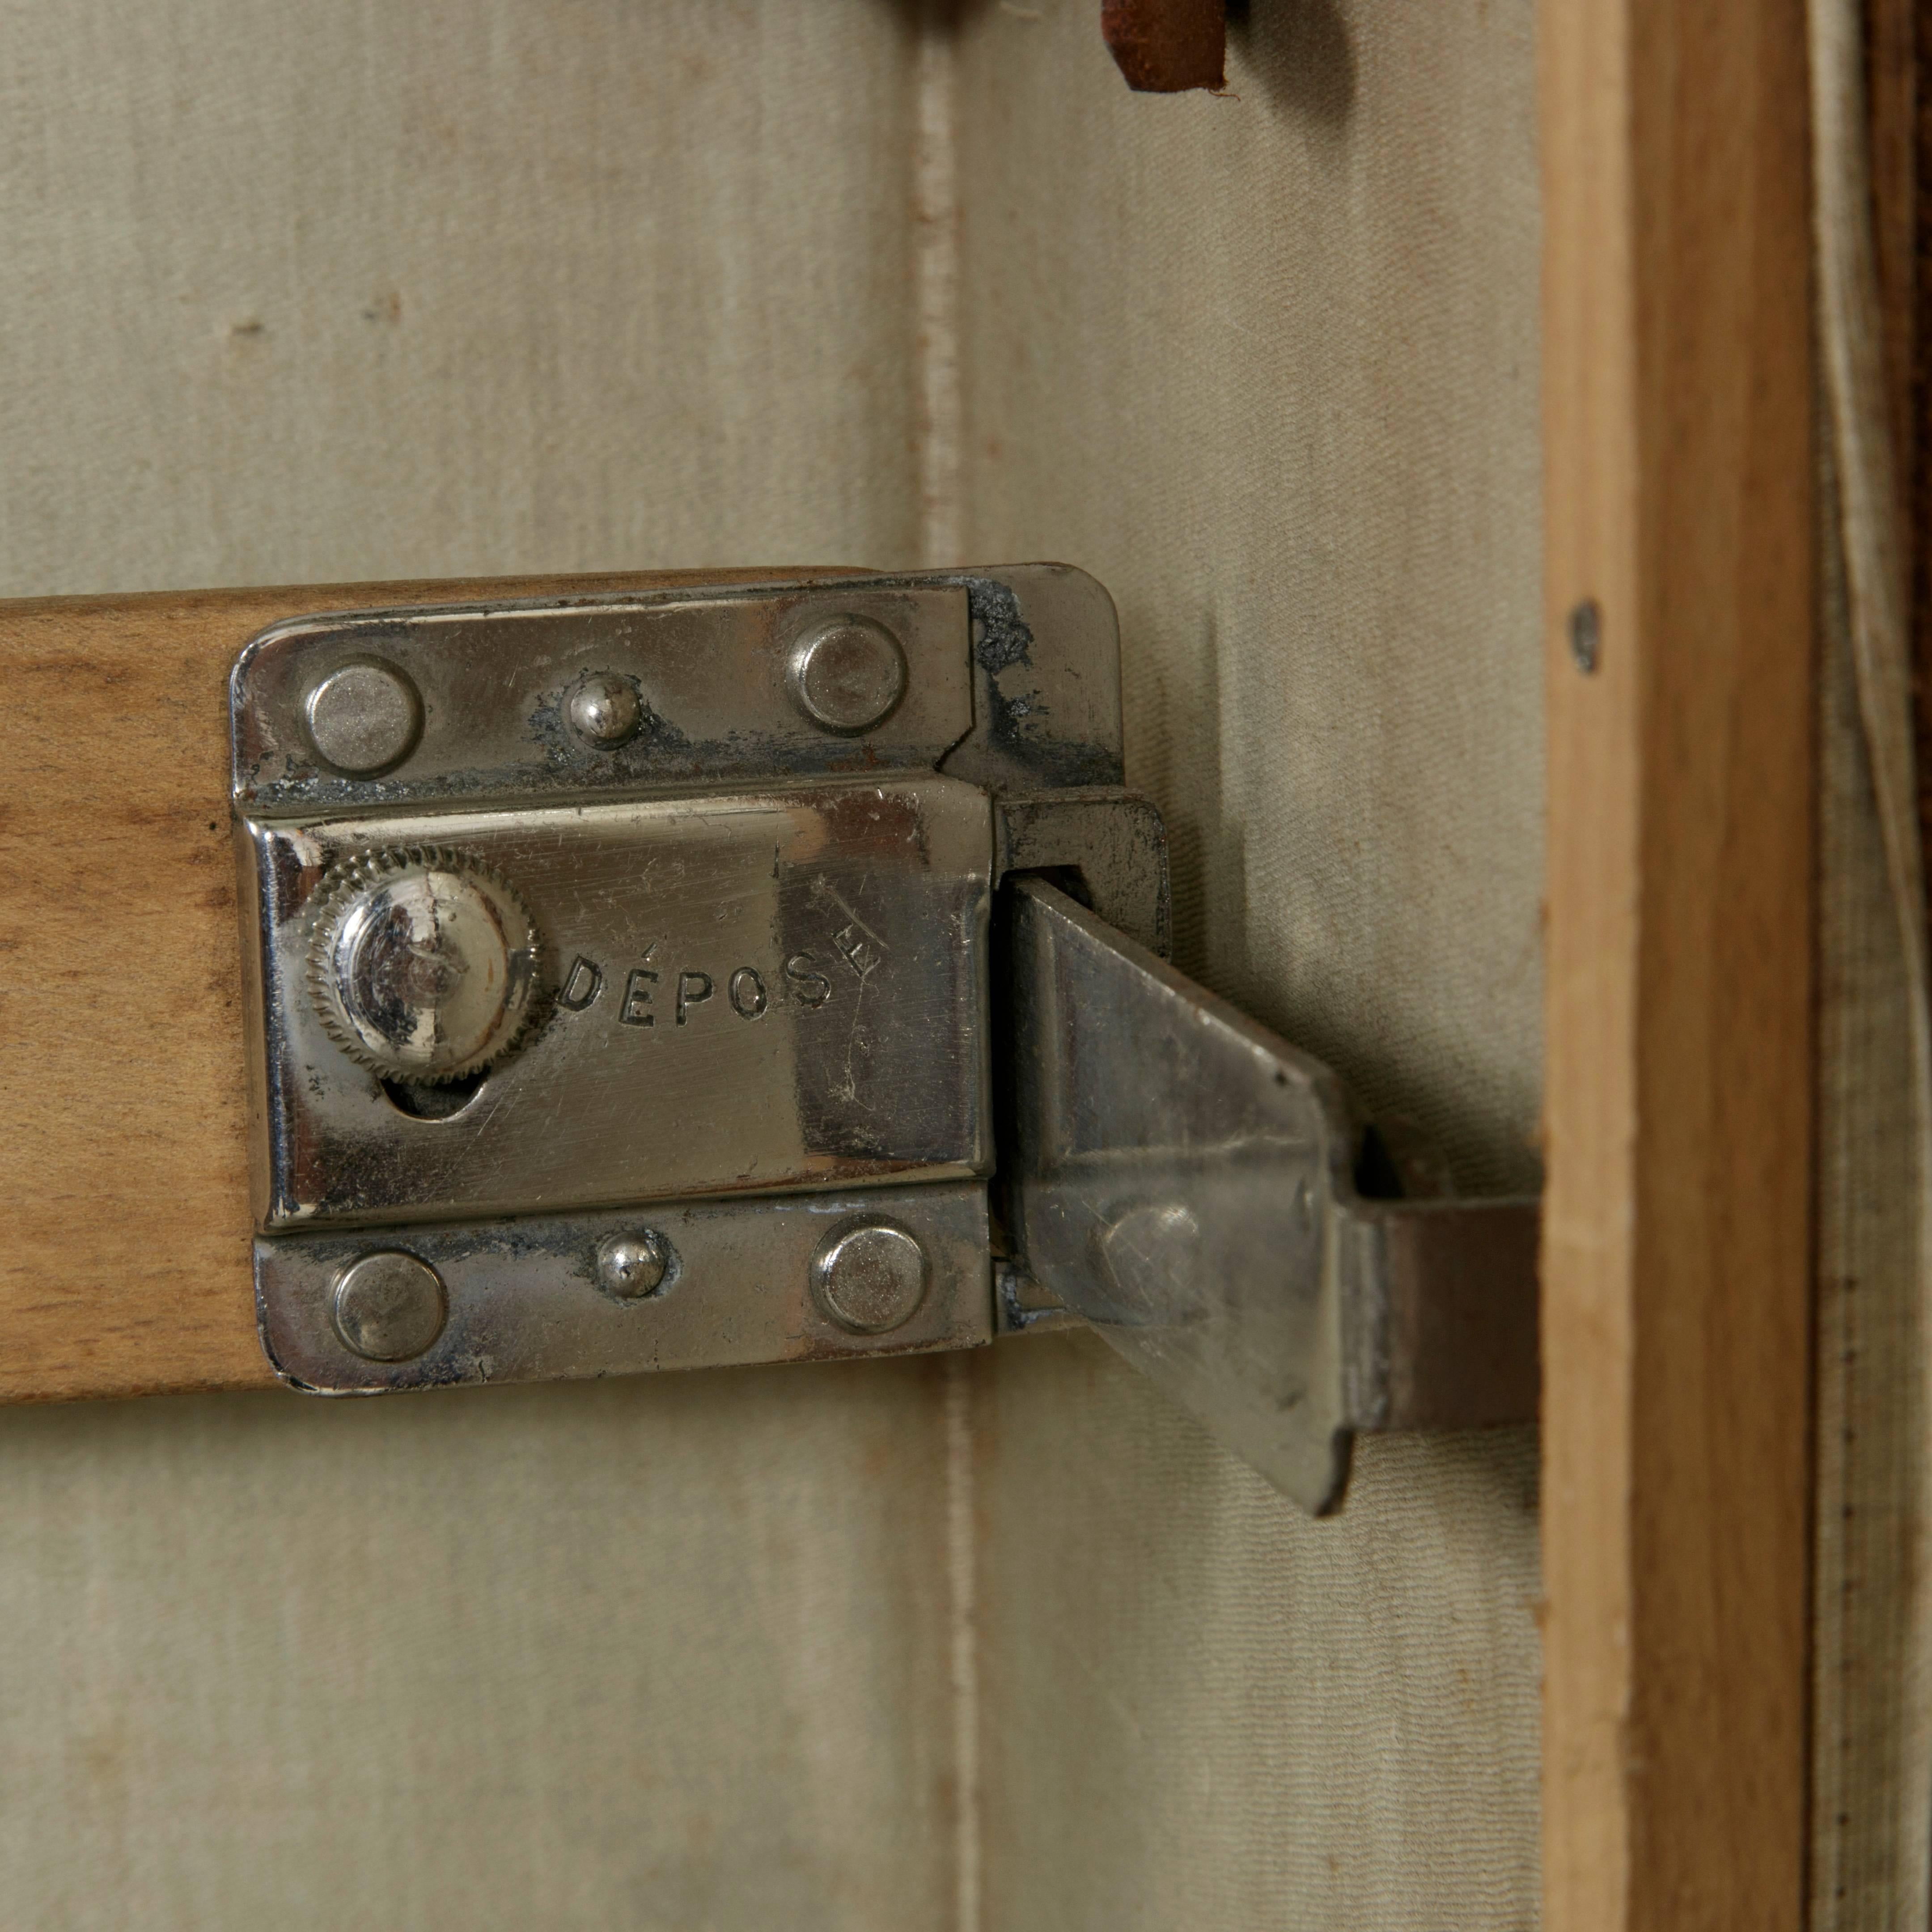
<point>631,1266</point>
<point>603,709</point>
<point>390,1307</point>
<point>848,674</point>
<point>870,1278</point>
<point>364,717</point>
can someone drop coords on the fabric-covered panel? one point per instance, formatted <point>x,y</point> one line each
<point>1869,1835</point>
<point>350,290</point>
<point>1267,365</point>
<point>662,1652</point>
<point>1871,1727</point>
<point>354,290</point>
<point>1200,1709</point>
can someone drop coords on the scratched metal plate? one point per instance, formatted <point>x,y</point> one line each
<point>524,1305</point>
<point>1189,1194</point>
<point>708,667</point>
<point>743,993</point>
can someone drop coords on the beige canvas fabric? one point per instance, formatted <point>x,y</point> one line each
<point>655,1654</point>
<point>357,291</point>
<point>343,290</point>
<point>1872,1717</point>
<point>297,293</point>
<point>1871,1752</point>
<point>1268,366</point>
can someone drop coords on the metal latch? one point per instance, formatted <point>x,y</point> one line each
<point>770,972</point>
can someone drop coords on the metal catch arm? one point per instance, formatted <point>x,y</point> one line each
<point>1182,1180</point>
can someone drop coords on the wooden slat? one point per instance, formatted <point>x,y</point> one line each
<point>1676,1265</point>
<point>124,1242</point>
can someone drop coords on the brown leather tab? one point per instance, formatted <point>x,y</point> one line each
<point>1166,46</point>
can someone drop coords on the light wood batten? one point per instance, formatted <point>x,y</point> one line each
<point>1678,472</point>
<point>125,1269</point>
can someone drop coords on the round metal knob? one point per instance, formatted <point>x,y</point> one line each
<point>424,964</point>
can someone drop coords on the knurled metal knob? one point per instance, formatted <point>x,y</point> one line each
<point>423,963</point>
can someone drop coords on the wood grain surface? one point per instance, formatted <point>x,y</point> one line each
<point>1678,473</point>
<point>125,1259</point>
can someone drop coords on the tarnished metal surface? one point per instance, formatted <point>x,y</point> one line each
<point>504,705</point>
<point>362,718</point>
<point>1110,844</point>
<point>1022,1307</point>
<point>871,1276</point>
<point>422,964</point>
<point>1182,1180</point>
<point>1441,1331</point>
<point>1046,679</point>
<point>1012,681</point>
<point>1176,1184</point>
<point>525,1302</point>
<point>389,1306</point>
<point>739,992</point>
<point>618,991</point>
<point>848,674</point>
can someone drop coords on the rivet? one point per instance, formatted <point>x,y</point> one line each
<point>1586,634</point>
<point>870,1278</point>
<point>631,1266</point>
<point>364,717</point>
<point>603,709</point>
<point>390,1307</point>
<point>848,673</point>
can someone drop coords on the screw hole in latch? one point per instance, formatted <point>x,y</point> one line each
<point>1068,879</point>
<point>428,1100</point>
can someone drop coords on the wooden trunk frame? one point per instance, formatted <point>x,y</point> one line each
<point>1678,1241</point>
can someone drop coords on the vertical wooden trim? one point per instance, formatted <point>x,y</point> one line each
<point>1678,474</point>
